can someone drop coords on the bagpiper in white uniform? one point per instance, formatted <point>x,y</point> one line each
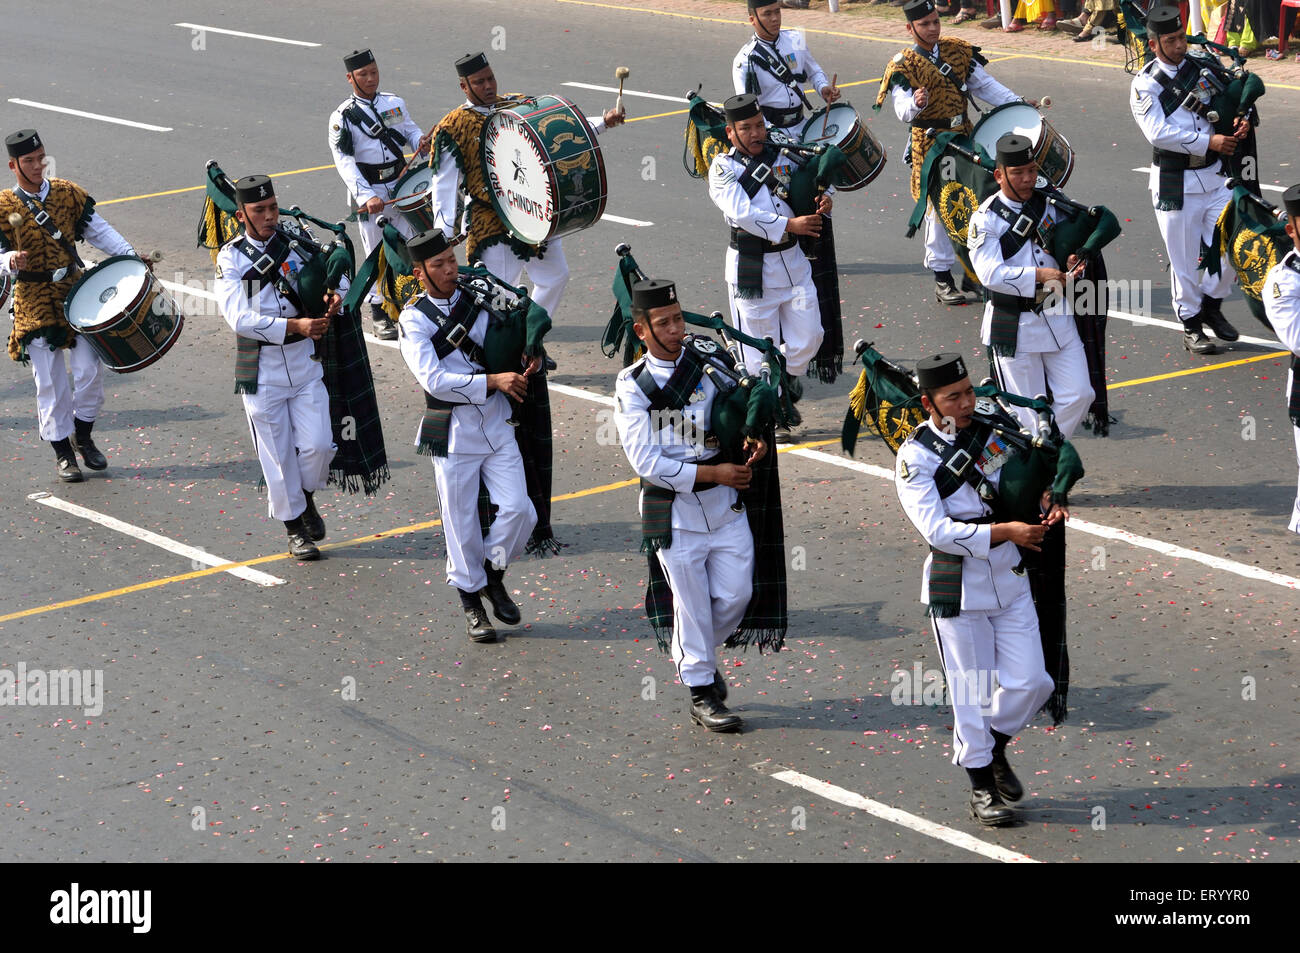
<point>1047,352</point>
<point>710,560</point>
<point>774,65</point>
<point>286,402</point>
<point>549,272</point>
<point>1282,306</point>
<point>939,254</point>
<point>1188,205</point>
<point>369,133</point>
<point>742,184</point>
<point>66,414</point>
<point>442,334</point>
<point>994,635</point>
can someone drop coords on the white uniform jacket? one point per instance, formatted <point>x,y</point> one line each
<point>791,50</point>
<point>392,112</point>
<point>1181,131</point>
<point>765,215</point>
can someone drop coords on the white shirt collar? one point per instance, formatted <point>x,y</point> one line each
<point>40,193</point>
<point>659,362</point>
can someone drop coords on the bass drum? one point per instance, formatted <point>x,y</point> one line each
<point>839,125</point>
<point>120,310</point>
<point>543,169</point>
<point>413,196</point>
<point>1052,151</point>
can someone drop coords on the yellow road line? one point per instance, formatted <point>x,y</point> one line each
<point>893,40</point>
<point>278,557</point>
<point>1274,355</point>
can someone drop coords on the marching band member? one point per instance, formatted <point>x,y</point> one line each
<point>930,86</point>
<point>368,134</point>
<point>466,427</point>
<point>1186,188</point>
<point>456,165</point>
<point>1282,305</point>
<point>40,253</point>
<point>981,606</point>
<point>770,281</point>
<point>282,385</point>
<point>1030,332</point>
<point>774,64</point>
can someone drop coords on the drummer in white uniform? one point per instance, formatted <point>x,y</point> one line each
<point>282,385</point>
<point>1281,296</point>
<point>1028,325</point>
<point>466,429</point>
<point>769,278</point>
<point>44,260</point>
<point>369,133</point>
<point>457,166</point>
<point>775,64</point>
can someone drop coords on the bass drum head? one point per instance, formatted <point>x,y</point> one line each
<point>831,126</point>
<point>413,189</point>
<point>106,292</point>
<point>1018,118</point>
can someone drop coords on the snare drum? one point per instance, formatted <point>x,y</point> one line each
<point>1052,152</point>
<point>543,169</point>
<point>839,125</point>
<point>413,195</point>
<point>121,311</point>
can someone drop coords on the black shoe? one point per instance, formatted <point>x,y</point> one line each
<point>503,607</point>
<point>1194,340</point>
<point>719,685</point>
<point>311,521</point>
<point>82,443</point>
<point>1211,315</point>
<point>385,329</point>
<point>478,626</point>
<point>1005,781</point>
<point>784,436</point>
<point>66,468</point>
<point>969,286</point>
<point>945,291</point>
<point>300,544</point>
<point>707,711</point>
<point>988,808</point>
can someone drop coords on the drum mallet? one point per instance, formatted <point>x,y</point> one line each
<point>15,220</point>
<point>621,73</point>
<point>827,114</point>
<point>1045,102</point>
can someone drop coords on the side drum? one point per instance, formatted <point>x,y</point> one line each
<point>839,125</point>
<point>1052,151</point>
<point>122,311</point>
<point>413,196</point>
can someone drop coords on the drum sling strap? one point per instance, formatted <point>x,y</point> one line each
<point>376,172</point>
<point>1172,165</point>
<point>1025,226</point>
<point>452,335</point>
<point>264,271</point>
<point>772,64</point>
<point>956,466</point>
<point>949,74</point>
<point>758,172</point>
<point>46,223</point>
<point>1292,261</point>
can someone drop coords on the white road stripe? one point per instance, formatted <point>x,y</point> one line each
<point>902,818</point>
<point>162,542</point>
<point>249,36</point>
<point>619,220</point>
<point>580,393</point>
<point>174,288</point>
<point>628,92</point>
<point>1175,326</point>
<point>1271,188</point>
<point>86,115</point>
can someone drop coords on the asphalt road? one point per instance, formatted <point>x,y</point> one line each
<point>343,715</point>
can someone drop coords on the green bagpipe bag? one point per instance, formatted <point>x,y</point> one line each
<point>706,136</point>
<point>1254,239</point>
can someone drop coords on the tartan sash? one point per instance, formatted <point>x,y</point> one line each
<point>1004,330</point>
<point>264,271</point>
<point>657,501</point>
<point>1169,192</point>
<point>435,428</point>
<point>758,172</point>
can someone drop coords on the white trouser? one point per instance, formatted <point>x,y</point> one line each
<point>1183,231</point>
<point>291,431</point>
<point>712,578</point>
<point>457,478</point>
<point>982,646</point>
<point>548,274</point>
<point>939,253</point>
<point>56,401</point>
<point>371,234</point>
<point>1295,512</point>
<point>790,316</point>
<point>1063,372</point>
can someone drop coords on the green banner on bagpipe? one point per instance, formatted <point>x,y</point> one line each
<point>706,136</point>
<point>956,178</point>
<point>1254,239</point>
<point>885,400</point>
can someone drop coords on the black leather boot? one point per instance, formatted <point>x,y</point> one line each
<point>986,805</point>
<point>719,685</point>
<point>945,289</point>
<point>1212,315</point>
<point>82,442</point>
<point>384,328</point>
<point>707,711</point>
<point>311,520</point>
<point>1194,338</point>
<point>476,620</point>
<point>300,544</point>
<point>503,607</point>
<point>66,469</point>
<point>1004,779</point>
